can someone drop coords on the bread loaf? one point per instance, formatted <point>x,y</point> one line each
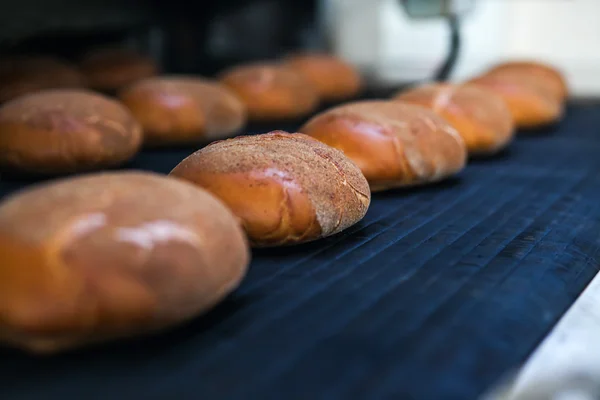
<point>64,131</point>
<point>393,143</point>
<point>110,69</point>
<point>285,188</point>
<point>480,116</point>
<point>20,75</point>
<point>333,78</point>
<point>546,74</point>
<point>109,256</point>
<point>271,92</point>
<point>531,102</point>
<point>180,110</point>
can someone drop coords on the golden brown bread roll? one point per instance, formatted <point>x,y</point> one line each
<point>271,92</point>
<point>285,188</point>
<point>531,102</point>
<point>393,143</point>
<point>333,78</point>
<point>549,75</point>
<point>108,256</point>
<point>480,116</point>
<point>20,75</point>
<point>64,131</point>
<point>179,110</point>
<point>111,69</point>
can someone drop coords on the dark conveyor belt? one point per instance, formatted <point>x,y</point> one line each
<point>435,295</point>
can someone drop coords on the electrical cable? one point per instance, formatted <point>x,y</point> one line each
<point>455,46</point>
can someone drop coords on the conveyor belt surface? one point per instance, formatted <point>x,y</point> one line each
<point>436,295</point>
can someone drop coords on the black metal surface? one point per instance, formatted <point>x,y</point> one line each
<point>435,295</point>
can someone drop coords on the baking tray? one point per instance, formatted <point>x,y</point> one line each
<point>436,294</point>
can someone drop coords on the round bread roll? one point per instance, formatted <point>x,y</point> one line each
<point>333,78</point>
<point>180,110</point>
<point>531,102</point>
<point>393,143</point>
<point>285,188</point>
<point>64,131</point>
<point>22,75</point>
<point>549,75</point>
<point>108,256</point>
<point>480,116</point>
<point>109,70</point>
<point>271,92</point>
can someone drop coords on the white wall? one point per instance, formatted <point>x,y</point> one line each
<point>378,36</point>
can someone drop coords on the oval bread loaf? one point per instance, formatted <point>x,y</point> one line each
<point>333,78</point>
<point>64,131</point>
<point>480,116</point>
<point>271,92</point>
<point>113,255</point>
<point>285,188</point>
<point>181,110</point>
<point>393,143</point>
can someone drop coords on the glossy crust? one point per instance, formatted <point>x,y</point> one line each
<point>551,76</point>
<point>393,143</point>
<point>285,188</point>
<point>179,110</point>
<point>112,69</point>
<point>480,116</point>
<point>20,75</point>
<point>63,131</point>
<point>531,102</point>
<point>271,92</point>
<point>106,256</point>
<point>333,78</point>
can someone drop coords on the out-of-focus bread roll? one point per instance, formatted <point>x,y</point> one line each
<point>393,143</point>
<point>109,256</point>
<point>180,110</point>
<point>285,188</point>
<point>480,116</point>
<point>544,73</point>
<point>109,70</point>
<point>531,102</point>
<point>333,78</point>
<point>271,92</point>
<point>20,75</point>
<point>64,131</point>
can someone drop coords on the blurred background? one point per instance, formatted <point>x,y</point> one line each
<point>392,41</point>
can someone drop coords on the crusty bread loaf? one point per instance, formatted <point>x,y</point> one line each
<point>110,69</point>
<point>20,75</point>
<point>285,188</point>
<point>271,92</point>
<point>547,74</point>
<point>393,143</point>
<point>333,78</point>
<point>480,116</point>
<point>64,131</point>
<point>107,256</point>
<point>531,102</point>
<point>180,110</point>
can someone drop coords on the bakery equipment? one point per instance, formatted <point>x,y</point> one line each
<point>436,294</point>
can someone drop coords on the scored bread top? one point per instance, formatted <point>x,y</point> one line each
<point>394,144</point>
<point>337,190</point>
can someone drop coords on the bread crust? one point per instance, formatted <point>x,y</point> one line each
<point>530,100</point>
<point>112,255</point>
<point>480,116</point>
<point>285,188</point>
<point>394,144</point>
<point>110,69</point>
<point>552,77</point>
<point>271,92</point>
<point>181,110</point>
<point>64,131</point>
<point>333,78</point>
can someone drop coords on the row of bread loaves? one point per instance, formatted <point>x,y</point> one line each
<point>113,255</point>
